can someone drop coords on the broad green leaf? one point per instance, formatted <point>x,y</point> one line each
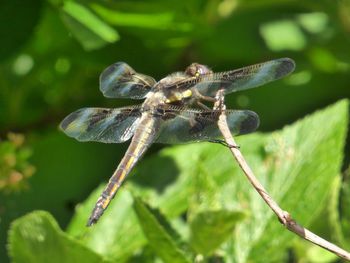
<point>320,255</point>
<point>170,185</point>
<point>37,238</point>
<point>209,229</point>
<point>298,167</point>
<point>89,29</point>
<point>117,234</point>
<point>161,237</point>
<point>334,209</point>
<point>329,228</point>
<point>341,210</point>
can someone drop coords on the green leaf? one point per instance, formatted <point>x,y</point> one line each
<point>329,228</point>
<point>341,211</point>
<point>171,184</point>
<point>89,29</point>
<point>210,228</point>
<point>37,238</point>
<point>283,35</point>
<point>117,234</point>
<point>334,215</point>
<point>298,166</point>
<point>158,21</point>
<point>159,234</point>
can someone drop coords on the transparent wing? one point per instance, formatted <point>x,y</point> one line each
<point>101,124</point>
<point>121,81</point>
<point>183,126</point>
<point>241,79</point>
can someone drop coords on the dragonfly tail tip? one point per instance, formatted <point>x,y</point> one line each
<point>91,222</point>
<point>95,216</point>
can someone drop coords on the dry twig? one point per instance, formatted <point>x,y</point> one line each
<point>283,216</point>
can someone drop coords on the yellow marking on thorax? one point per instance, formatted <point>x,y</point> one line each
<point>187,93</point>
<point>172,99</point>
<point>179,96</point>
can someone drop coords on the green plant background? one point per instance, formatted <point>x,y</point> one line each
<point>182,203</point>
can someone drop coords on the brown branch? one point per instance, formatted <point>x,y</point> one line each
<point>283,216</point>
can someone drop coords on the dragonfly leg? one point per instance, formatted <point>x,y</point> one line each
<point>224,143</point>
<point>203,97</point>
<point>203,106</point>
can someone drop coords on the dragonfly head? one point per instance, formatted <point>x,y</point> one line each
<point>196,70</point>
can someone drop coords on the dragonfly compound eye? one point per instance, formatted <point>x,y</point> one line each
<point>197,70</point>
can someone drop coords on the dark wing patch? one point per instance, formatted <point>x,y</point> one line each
<point>189,125</point>
<point>102,125</point>
<point>121,81</point>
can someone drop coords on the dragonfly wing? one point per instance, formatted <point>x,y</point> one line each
<point>183,126</point>
<point>244,78</point>
<point>101,124</point>
<point>119,80</point>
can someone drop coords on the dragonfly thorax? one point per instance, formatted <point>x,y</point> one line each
<point>178,97</point>
<point>168,90</point>
<point>154,99</point>
<point>168,96</point>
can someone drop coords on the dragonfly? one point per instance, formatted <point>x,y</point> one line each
<point>174,111</point>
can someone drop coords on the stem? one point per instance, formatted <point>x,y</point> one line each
<point>283,216</point>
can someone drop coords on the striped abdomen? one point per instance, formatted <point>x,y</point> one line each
<point>144,135</point>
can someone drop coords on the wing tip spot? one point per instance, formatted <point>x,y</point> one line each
<point>250,123</point>
<point>286,66</point>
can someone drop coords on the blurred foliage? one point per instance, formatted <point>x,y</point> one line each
<point>51,54</point>
<point>14,167</point>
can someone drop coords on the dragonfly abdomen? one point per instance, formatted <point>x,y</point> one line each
<point>141,141</point>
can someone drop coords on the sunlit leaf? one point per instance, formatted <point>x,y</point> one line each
<point>343,212</point>
<point>209,229</point>
<point>159,21</point>
<point>37,238</point>
<point>314,22</point>
<point>298,167</point>
<point>159,234</point>
<point>117,234</point>
<point>283,35</point>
